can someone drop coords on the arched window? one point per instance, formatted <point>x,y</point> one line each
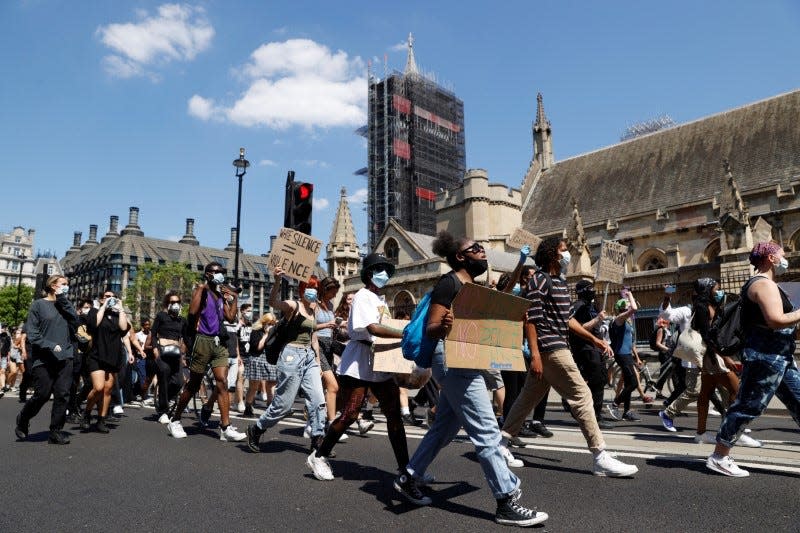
<point>403,305</point>
<point>391,250</point>
<point>652,259</point>
<point>711,253</point>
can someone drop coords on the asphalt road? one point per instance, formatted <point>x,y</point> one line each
<point>138,478</point>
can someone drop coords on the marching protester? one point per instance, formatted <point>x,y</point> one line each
<point>165,347</point>
<point>212,303</point>
<point>768,366</point>
<point>298,365</point>
<point>52,322</point>
<point>623,344</point>
<point>546,328</point>
<point>326,325</point>
<point>463,401</point>
<point>257,370</point>
<point>356,376</point>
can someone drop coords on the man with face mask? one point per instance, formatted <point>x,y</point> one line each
<point>547,327</point>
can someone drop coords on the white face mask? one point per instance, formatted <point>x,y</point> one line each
<point>175,308</point>
<point>564,261</point>
<point>781,267</point>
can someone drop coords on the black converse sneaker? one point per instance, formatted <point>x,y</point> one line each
<point>407,487</point>
<point>511,513</point>
<point>253,438</point>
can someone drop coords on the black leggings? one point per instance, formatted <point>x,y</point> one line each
<point>53,377</point>
<point>625,362</point>
<point>590,363</point>
<point>164,369</point>
<point>352,391</point>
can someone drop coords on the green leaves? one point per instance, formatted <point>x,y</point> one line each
<point>8,304</point>
<point>144,294</point>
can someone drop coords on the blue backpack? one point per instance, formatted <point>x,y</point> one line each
<point>416,345</point>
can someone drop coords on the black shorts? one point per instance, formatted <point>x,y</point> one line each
<point>93,365</point>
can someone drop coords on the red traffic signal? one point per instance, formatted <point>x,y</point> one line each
<point>301,207</point>
<point>304,190</point>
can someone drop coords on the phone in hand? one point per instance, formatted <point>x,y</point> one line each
<point>670,289</point>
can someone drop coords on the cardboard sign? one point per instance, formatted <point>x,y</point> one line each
<point>611,266</point>
<point>296,253</point>
<point>487,330</point>
<point>388,357</point>
<point>521,237</point>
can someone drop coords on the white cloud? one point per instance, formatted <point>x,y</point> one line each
<point>299,82</point>
<point>200,107</point>
<point>267,163</point>
<point>314,163</point>
<point>399,47</point>
<point>359,197</point>
<point>175,33</point>
<point>320,203</point>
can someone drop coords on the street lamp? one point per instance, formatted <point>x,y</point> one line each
<point>241,165</point>
<point>22,259</point>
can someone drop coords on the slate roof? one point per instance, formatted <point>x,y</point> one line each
<point>672,167</point>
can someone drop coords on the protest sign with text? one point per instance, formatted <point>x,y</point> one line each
<point>487,330</point>
<point>296,253</point>
<point>611,266</point>
<point>521,237</point>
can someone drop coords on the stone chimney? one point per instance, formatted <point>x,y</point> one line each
<point>272,242</point>
<point>133,223</point>
<point>92,240</point>
<point>76,243</point>
<point>189,237</point>
<point>113,229</point>
<point>232,245</point>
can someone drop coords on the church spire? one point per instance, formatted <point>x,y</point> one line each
<point>411,64</point>
<point>342,253</point>
<point>542,141</point>
<point>343,231</point>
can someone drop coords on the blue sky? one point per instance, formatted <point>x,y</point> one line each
<point>106,105</point>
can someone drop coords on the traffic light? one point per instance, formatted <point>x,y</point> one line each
<point>301,206</point>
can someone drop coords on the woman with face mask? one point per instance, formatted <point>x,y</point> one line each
<point>298,365</point>
<point>165,347</point>
<point>356,376</point>
<point>768,366</point>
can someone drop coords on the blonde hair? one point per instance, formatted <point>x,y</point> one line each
<point>267,319</point>
<point>48,288</point>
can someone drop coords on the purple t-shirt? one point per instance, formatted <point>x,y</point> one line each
<point>210,315</point>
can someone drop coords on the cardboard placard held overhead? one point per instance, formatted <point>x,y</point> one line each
<point>296,253</point>
<point>521,237</point>
<point>611,266</point>
<point>487,330</point>
<point>387,355</point>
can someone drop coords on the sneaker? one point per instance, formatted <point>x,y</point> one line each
<point>367,415</point>
<point>148,402</point>
<point>264,397</point>
<point>748,441</point>
<point>516,442</point>
<point>630,416</point>
<point>511,461</point>
<point>713,412</point>
<point>540,429</point>
<point>307,431</point>
<point>101,426</point>
<point>230,434</point>
<point>248,411</point>
<point>364,426</point>
<point>411,420</point>
<point>604,424</point>
<point>253,438</point>
<point>86,421</point>
<point>527,431</point>
<point>705,438</point>
<point>117,410</point>
<point>511,513</point>
<point>666,422</point>
<point>725,465</point>
<point>175,429</point>
<point>58,437</point>
<point>319,466</point>
<point>163,419</point>
<point>406,485</point>
<point>607,465</point>
<point>205,416</point>
<point>22,428</point>
<point>239,407</point>
<point>344,437</point>
<point>613,411</point>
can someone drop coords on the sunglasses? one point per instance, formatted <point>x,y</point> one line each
<point>474,249</point>
<point>174,301</point>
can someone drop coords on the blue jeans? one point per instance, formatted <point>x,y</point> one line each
<point>297,368</point>
<point>764,375</point>
<point>463,402</point>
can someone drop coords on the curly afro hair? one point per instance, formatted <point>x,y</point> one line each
<point>547,252</point>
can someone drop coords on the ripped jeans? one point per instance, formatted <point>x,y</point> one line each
<point>297,368</point>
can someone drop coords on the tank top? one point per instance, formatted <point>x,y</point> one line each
<point>322,316</point>
<point>300,329</point>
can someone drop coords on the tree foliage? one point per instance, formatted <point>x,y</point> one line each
<point>143,295</point>
<point>8,304</point>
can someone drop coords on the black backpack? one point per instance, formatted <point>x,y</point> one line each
<point>727,334</point>
<point>653,338</point>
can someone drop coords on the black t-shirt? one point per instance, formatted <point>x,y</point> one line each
<point>446,289</point>
<point>167,326</point>
<point>107,338</point>
<point>583,313</point>
<point>232,342</point>
<point>255,338</point>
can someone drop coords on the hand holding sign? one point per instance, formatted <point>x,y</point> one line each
<point>295,253</point>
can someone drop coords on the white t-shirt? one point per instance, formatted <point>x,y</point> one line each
<point>367,308</point>
<point>682,317</point>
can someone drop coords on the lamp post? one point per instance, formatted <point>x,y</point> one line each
<point>241,165</point>
<point>22,259</point>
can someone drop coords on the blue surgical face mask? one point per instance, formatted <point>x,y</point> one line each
<point>516,290</point>
<point>719,296</point>
<point>65,288</point>
<point>781,267</point>
<point>564,261</point>
<point>310,295</point>
<point>218,279</point>
<point>380,279</point>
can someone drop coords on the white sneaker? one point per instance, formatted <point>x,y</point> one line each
<point>713,412</point>
<point>725,466</point>
<point>319,466</point>
<point>749,442</point>
<point>264,397</point>
<point>613,412</point>
<point>607,465</point>
<point>307,431</point>
<point>364,426</point>
<point>148,402</point>
<point>344,437</point>
<point>163,419</point>
<point>176,429</point>
<point>117,410</point>
<point>230,434</point>
<point>511,461</point>
<point>239,407</point>
<point>709,437</point>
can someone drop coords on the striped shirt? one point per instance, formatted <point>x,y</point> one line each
<point>549,311</point>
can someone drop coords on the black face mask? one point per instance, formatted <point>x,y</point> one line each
<point>475,267</point>
<point>587,296</point>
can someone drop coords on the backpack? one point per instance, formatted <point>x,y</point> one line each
<point>726,335</point>
<point>416,345</point>
<point>653,339</point>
